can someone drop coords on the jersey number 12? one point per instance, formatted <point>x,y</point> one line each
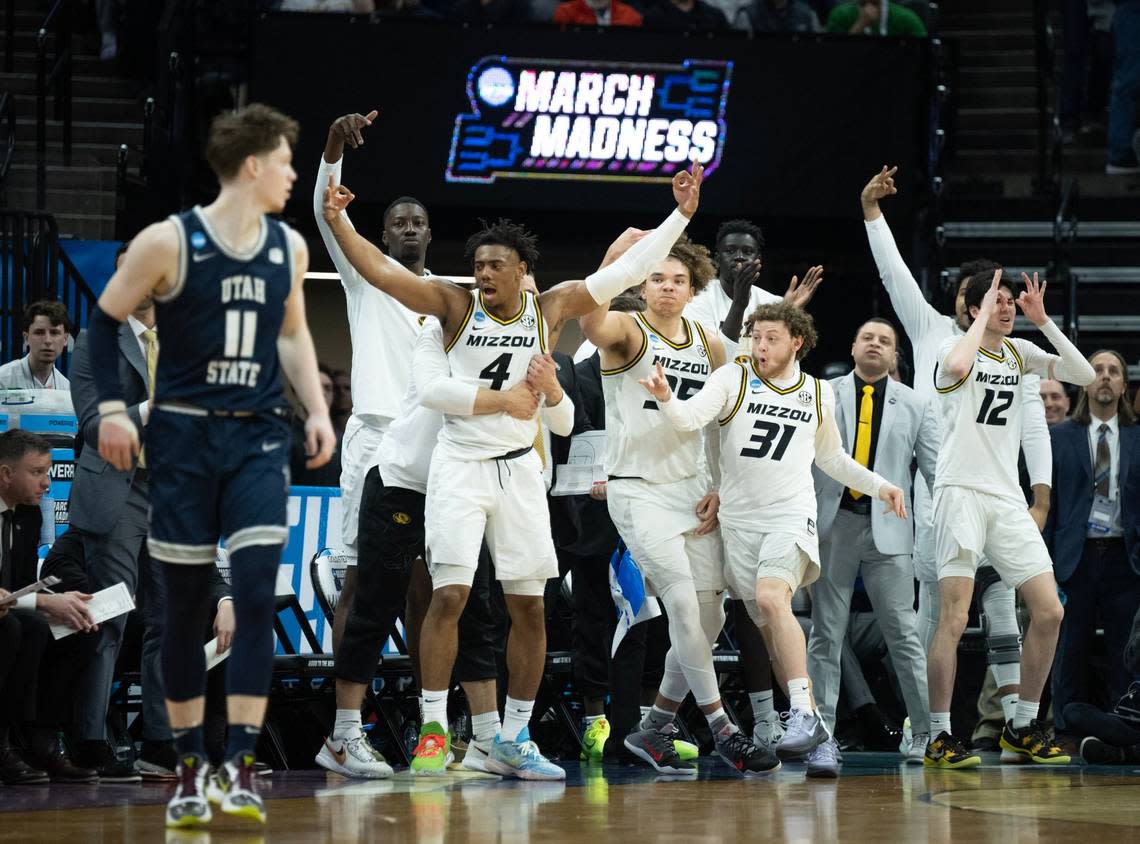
<point>993,415</point>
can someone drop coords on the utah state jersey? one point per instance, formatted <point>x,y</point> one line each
<point>220,322</point>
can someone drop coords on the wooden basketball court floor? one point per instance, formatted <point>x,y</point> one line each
<point>876,799</point>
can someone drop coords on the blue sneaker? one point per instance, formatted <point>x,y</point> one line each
<point>521,759</point>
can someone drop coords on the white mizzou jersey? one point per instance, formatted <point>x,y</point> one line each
<point>770,434</point>
<point>492,353</point>
<point>981,416</point>
<point>640,443</point>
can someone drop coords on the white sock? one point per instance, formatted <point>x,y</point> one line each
<point>1008,706</point>
<point>939,723</point>
<point>347,724</point>
<point>798,696</point>
<point>718,720</point>
<point>761,705</point>
<point>434,707</point>
<point>644,714</point>
<point>485,726</point>
<point>516,717</point>
<point>1024,712</point>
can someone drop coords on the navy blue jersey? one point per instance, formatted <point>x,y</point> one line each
<point>219,324</point>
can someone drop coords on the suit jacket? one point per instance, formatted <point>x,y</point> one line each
<point>99,490</point>
<point>1071,502</point>
<point>563,512</point>
<point>909,428</point>
<point>26,525</point>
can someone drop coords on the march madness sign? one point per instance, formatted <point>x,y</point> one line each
<point>582,120</point>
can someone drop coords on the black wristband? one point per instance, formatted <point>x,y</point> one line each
<point>103,347</point>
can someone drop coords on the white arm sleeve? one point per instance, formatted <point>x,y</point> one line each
<point>1035,440</point>
<point>559,418</point>
<point>349,277</point>
<point>633,266</point>
<point>706,405</point>
<point>914,312</point>
<point>830,456</point>
<point>432,375</point>
<point>1070,366</point>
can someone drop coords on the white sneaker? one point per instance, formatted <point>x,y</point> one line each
<point>767,732</point>
<point>917,752</point>
<point>823,761</point>
<point>907,740</point>
<point>476,757</point>
<point>189,807</point>
<point>354,757</point>
<point>804,733</point>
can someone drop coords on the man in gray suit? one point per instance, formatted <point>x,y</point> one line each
<point>884,425</point>
<point>110,508</point>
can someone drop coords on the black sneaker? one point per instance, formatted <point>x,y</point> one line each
<point>656,747</point>
<point>1096,752</point>
<point>1030,743</point>
<point>110,765</point>
<point>157,761</point>
<point>739,751</point>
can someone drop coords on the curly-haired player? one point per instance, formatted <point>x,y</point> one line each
<point>774,421</point>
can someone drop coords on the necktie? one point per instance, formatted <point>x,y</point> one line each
<point>539,444</point>
<point>150,340</point>
<point>863,435</point>
<point>6,550</point>
<point>1103,461</point>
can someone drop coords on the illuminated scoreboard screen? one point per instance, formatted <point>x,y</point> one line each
<point>508,118</point>
<point>575,120</point>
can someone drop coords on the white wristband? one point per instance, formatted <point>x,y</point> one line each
<point>106,408</point>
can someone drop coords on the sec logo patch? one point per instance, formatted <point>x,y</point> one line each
<point>401,518</point>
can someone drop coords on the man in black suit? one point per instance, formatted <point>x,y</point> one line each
<point>33,687</point>
<point>110,507</point>
<point>1093,531</point>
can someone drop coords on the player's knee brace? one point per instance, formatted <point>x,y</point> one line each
<point>253,576</point>
<point>712,614</point>
<point>1003,636</point>
<point>187,612</point>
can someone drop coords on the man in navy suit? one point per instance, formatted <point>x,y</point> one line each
<point>1093,530</point>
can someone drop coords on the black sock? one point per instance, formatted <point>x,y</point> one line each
<point>241,739</point>
<point>190,740</point>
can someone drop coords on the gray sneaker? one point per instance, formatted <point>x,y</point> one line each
<point>823,762</point>
<point>805,732</point>
<point>656,747</point>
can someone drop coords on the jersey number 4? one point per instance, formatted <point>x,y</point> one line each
<point>992,415</point>
<point>766,433</point>
<point>497,371</point>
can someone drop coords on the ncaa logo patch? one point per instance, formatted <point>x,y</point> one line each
<point>276,255</point>
<point>804,397</point>
<point>197,240</point>
<point>401,518</point>
<point>527,321</point>
<point>755,385</point>
<point>480,316</point>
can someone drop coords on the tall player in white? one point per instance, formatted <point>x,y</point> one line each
<point>495,336</point>
<point>774,422</point>
<point>979,508</point>
<point>380,330</point>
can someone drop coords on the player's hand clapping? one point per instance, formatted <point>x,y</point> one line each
<point>657,385</point>
<point>800,292</point>
<point>896,502</point>
<point>337,198</point>
<point>687,189</point>
<point>521,401</point>
<point>1032,300</point>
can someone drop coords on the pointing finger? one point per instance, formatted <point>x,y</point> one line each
<point>372,115</point>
